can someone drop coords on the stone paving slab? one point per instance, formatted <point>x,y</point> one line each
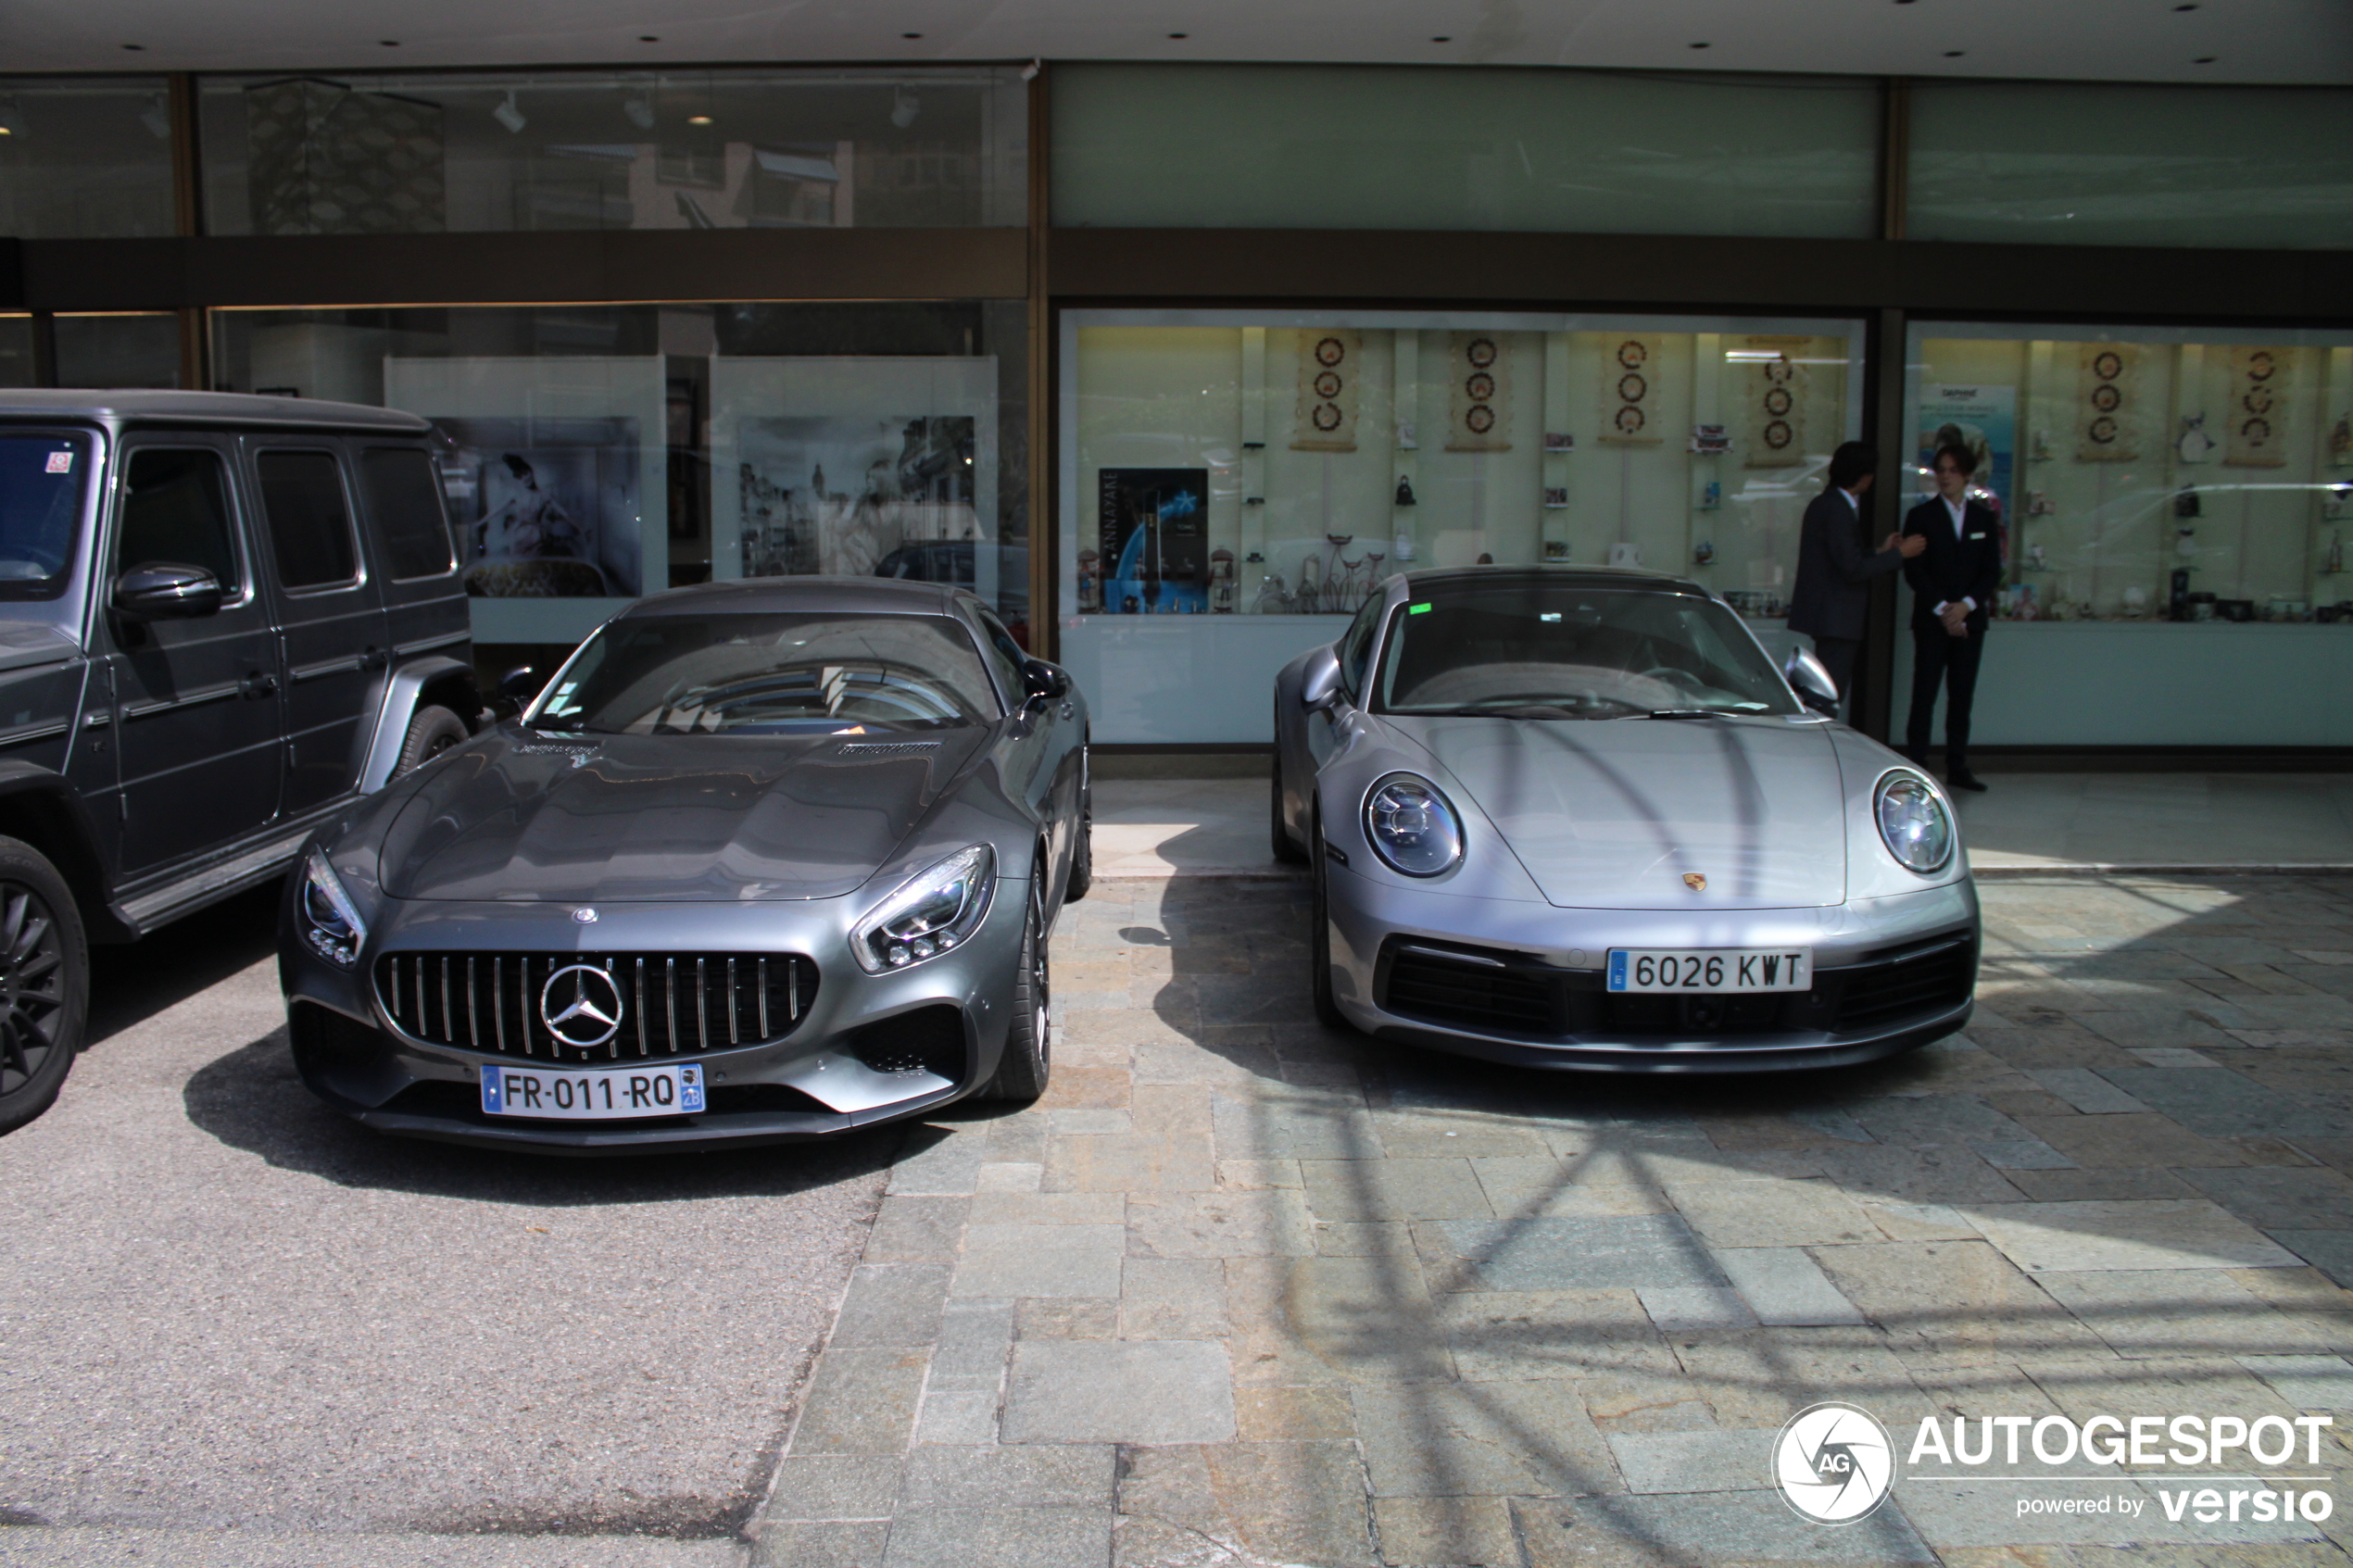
<point>1241,1291</point>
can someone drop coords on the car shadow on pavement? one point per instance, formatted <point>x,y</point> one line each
<point>129,985</point>
<point>251,1098</point>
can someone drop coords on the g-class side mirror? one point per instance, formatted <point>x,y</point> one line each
<point>1811,679</point>
<point>1319,683</point>
<point>167,591</point>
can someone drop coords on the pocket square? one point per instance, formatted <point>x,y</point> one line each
<point>1977,535</point>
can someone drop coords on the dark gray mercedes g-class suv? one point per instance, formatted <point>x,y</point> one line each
<point>222,619</point>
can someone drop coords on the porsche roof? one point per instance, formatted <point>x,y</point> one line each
<point>1553,576</point>
<point>802,595</point>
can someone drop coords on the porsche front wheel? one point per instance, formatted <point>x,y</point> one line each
<point>1319,939</point>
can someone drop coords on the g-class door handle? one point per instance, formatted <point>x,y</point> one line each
<point>257,686</point>
<point>373,659</point>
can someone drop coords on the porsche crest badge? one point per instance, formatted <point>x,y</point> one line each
<point>1695,881</point>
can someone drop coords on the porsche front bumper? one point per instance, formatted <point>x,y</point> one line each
<point>1523,983</point>
<point>399,1042</point>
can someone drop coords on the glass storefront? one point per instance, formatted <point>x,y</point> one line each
<point>480,152</point>
<point>2176,502</point>
<point>597,454</point>
<point>119,348</point>
<point>1231,480</point>
<point>86,157</point>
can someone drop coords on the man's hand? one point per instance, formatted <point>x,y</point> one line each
<point>1910,544</point>
<point>1955,619</point>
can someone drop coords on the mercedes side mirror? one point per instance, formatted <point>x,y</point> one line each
<point>167,591</point>
<point>1811,679</point>
<point>1041,682</point>
<point>1319,683</point>
<point>519,685</point>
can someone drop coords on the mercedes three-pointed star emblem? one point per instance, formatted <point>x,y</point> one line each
<point>588,1013</point>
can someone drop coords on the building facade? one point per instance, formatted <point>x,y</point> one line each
<point>1173,363</point>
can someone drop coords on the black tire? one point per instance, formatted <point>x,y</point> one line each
<point>1027,1061</point>
<point>1319,937</point>
<point>44,982</point>
<point>1082,848</point>
<point>431,732</point>
<point>1286,849</point>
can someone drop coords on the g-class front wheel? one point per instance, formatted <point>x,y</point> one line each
<point>44,982</point>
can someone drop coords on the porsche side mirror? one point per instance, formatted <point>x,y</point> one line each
<point>1319,683</point>
<point>1811,679</point>
<point>520,685</point>
<point>167,591</point>
<point>1041,682</point>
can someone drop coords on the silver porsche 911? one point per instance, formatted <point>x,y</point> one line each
<point>1578,818</point>
<point>765,860</point>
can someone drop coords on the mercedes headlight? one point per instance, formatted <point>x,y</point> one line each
<point>1412,826</point>
<point>1914,822</point>
<point>331,922</point>
<point>927,914</point>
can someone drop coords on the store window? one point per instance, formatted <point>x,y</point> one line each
<point>1237,483</point>
<point>2175,502</point>
<point>430,153</point>
<point>86,158</point>
<point>119,349</point>
<point>594,455</point>
<point>1423,147</point>
<point>2080,163</point>
<point>18,366</point>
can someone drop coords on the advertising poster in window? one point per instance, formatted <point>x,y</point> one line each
<point>1984,420</point>
<point>860,467</point>
<point>556,474</point>
<point>1155,541</point>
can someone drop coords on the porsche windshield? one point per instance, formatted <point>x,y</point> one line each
<point>771,675</point>
<point>1562,650</point>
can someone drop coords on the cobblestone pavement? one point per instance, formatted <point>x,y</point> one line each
<point>1244,1291</point>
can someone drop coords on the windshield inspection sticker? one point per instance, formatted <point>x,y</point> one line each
<point>2217,1477</point>
<point>60,462</point>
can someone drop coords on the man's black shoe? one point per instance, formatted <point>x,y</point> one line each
<point>1963,779</point>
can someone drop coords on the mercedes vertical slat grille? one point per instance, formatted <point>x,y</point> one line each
<point>671,1004</point>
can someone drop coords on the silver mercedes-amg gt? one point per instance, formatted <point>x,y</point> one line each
<point>764,860</point>
<point>1578,818</point>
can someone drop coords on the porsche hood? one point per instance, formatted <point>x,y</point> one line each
<point>1614,813</point>
<point>615,819</point>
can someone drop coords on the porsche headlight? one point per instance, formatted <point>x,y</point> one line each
<point>927,914</point>
<point>1914,822</point>
<point>330,924</point>
<point>1412,826</point>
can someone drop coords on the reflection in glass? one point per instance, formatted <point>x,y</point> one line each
<point>430,153</point>
<point>86,158</point>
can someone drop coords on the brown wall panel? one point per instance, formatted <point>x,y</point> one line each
<point>1682,270</point>
<point>749,264</point>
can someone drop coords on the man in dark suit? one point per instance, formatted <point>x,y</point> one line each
<point>1954,582</point>
<point>1833,589</point>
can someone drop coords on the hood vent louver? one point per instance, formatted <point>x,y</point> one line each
<point>867,750</point>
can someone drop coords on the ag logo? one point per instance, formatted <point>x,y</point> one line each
<point>1834,1463</point>
<point>587,1012</point>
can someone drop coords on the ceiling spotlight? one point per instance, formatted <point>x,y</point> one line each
<point>640,107</point>
<point>2191,7</point>
<point>698,120</point>
<point>508,115</point>
<point>388,43</point>
<point>1029,72</point>
<point>136,48</point>
<point>2202,60</point>
<point>1180,35</point>
<point>155,117</point>
<point>911,35</point>
<point>1443,38</point>
<point>1954,54</point>
<point>649,38</point>
<point>1699,46</point>
<point>904,107</point>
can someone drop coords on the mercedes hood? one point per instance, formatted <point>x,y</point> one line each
<point>520,817</point>
<point>1616,813</point>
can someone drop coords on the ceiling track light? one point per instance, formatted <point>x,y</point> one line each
<point>640,107</point>
<point>157,118</point>
<point>904,107</point>
<point>508,115</point>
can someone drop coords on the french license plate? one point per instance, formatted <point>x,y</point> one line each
<point>1696,970</point>
<point>591,1096</point>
